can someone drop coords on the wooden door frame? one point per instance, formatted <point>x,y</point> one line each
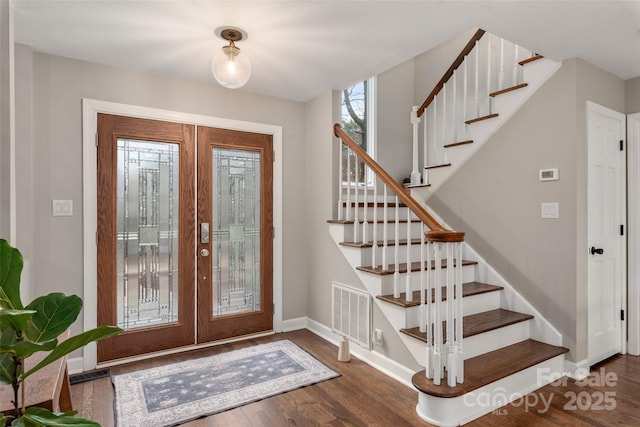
<point>597,108</point>
<point>90,110</point>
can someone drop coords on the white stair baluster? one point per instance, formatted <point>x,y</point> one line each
<point>501,72</point>
<point>437,318</point>
<point>340,189</point>
<point>450,345</point>
<point>408,293</point>
<point>459,316</point>
<point>444,118</point>
<point>425,149</point>
<point>415,122</point>
<point>515,67</point>
<point>427,302</point>
<point>464,99</point>
<point>477,79</point>
<point>396,252</point>
<point>365,197</point>
<point>488,72</point>
<point>356,210</point>
<point>374,247</point>
<point>453,108</point>
<point>385,229</point>
<point>348,216</point>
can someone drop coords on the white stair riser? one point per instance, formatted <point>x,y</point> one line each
<point>390,250</point>
<point>379,229</point>
<point>456,411</point>
<point>468,275</point>
<point>391,214</point>
<point>410,317</point>
<point>471,346</point>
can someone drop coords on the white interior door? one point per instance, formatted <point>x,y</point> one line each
<point>606,225</point>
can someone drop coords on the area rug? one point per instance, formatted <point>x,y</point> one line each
<point>173,394</point>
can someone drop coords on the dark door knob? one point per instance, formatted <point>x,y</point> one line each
<point>595,250</point>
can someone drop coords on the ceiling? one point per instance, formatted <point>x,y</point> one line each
<point>301,49</point>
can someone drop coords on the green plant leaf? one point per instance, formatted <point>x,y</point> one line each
<point>74,343</point>
<point>26,348</point>
<point>7,368</point>
<point>17,319</point>
<point>54,314</point>
<point>10,270</point>
<point>39,417</point>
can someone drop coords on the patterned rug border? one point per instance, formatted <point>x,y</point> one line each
<point>130,406</point>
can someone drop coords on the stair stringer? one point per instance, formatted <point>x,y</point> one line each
<point>535,74</point>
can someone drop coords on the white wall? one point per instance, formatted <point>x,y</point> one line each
<point>55,170</point>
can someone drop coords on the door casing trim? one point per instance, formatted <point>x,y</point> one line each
<point>90,110</point>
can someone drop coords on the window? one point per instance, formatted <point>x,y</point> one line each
<point>358,112</point>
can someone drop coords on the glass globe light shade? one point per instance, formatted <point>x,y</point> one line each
<point>231,69</point>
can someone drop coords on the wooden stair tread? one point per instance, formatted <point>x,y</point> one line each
<point>479,119</point>
<point>468,289</point>
<point>380,221</point>
<point>444,165</point>
<point>401,242</point>
<point>528,60</point>
<point>509,89</point>
<point>415,266</point>
<point>479,323</point>
<point>457,144</point>
<point>490,367</point>
<point>417,185</point>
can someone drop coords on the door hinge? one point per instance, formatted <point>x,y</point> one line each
<point>273,156</point>
<point>621,145</point>
<point>96,139</point>
<point>96,237</point>
<point>621,314</point>
<point>273,232</point>
<point>622,229</point>
<point>273,309</point>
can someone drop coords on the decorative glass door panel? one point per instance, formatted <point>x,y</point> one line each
<point>235,259</point>
<point>236,231</point>
<point>147,233</point>
<point>148,227</point>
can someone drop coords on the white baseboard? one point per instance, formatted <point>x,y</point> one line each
<point>576,370</point>
<point>372,358</point>
<point>294,324</point>
<point>75,365</point>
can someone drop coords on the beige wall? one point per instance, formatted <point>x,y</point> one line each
<point>633,95</point>
<point>5,117</point>
<point>495,198</point>
<point>59,84</point>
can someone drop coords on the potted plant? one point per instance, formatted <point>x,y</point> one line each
<point>36,327</point>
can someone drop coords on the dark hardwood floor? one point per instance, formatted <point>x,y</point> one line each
<point>362,396</point>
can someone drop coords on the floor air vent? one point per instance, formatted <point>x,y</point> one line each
<point>352,314</point>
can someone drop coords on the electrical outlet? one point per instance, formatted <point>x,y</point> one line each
<point>377,337</point>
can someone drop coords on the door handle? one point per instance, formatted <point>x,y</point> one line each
<point>595,250</point>
<point>204,232</point>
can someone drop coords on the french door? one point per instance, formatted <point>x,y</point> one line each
<point>169,273</point>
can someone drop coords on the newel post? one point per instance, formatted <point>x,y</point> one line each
<point>415,121</point>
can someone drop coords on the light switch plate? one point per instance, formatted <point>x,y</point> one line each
<point>550,210</point>
<point>62,207</point>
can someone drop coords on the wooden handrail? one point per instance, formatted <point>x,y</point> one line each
<point>467,49</point>
<point>437,232</point>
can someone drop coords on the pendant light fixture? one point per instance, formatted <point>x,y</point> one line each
<point>230,67</point>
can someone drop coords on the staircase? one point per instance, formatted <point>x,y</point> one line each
<point>481,344</point>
